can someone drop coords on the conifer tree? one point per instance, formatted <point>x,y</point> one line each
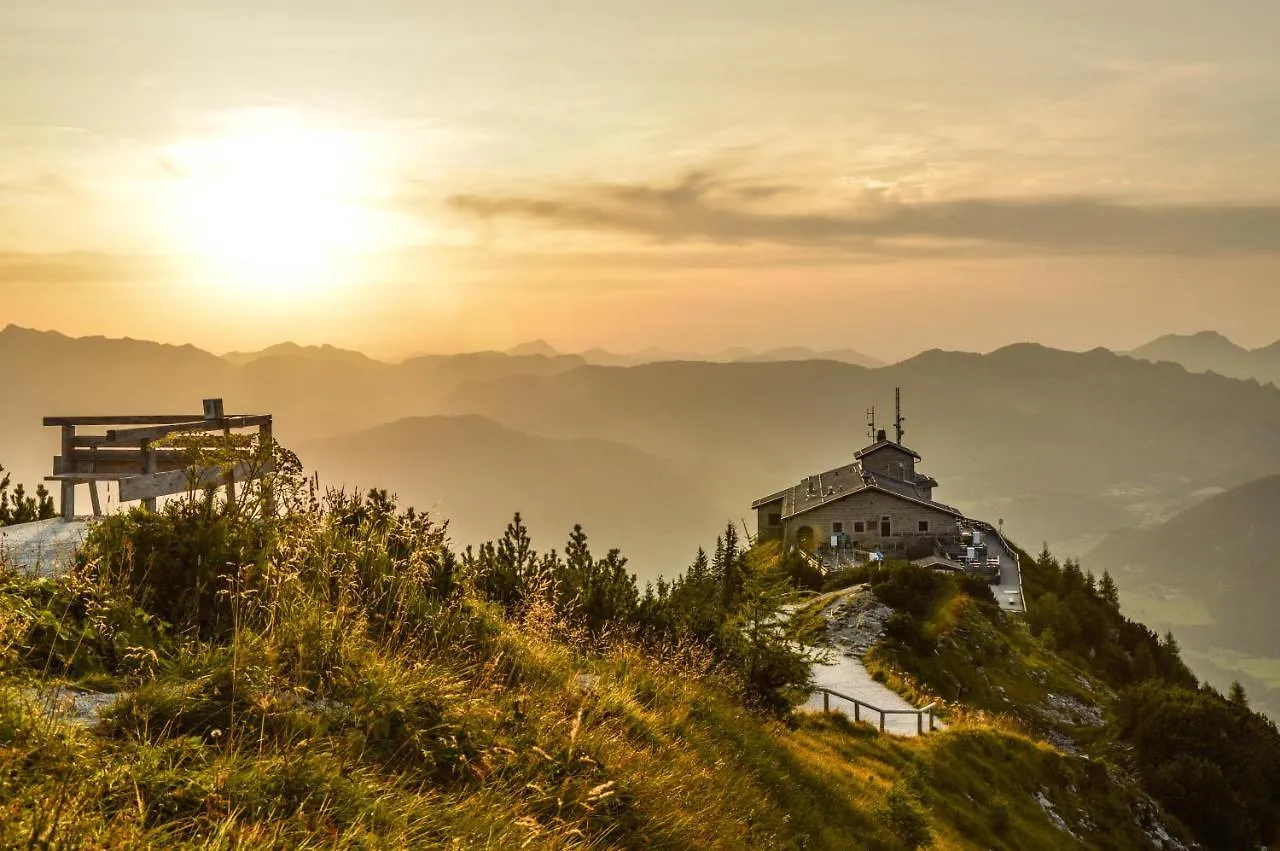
<point>1108,590</point>
<point>18,507</point>
<point>755,636</point>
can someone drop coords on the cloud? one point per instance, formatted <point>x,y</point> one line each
<point>704,209</point>
<point>78,268</point>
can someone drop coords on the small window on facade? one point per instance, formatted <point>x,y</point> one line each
<point>859,527</point>
<point>775,519</point>
<point>837,528</point>
<point>924,525</point>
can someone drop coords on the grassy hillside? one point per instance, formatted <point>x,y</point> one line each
<point>337,678</point>
<point>1079,674</point>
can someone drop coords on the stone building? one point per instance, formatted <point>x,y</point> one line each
<point>879,502</point>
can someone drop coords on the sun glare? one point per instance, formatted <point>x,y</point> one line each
<point>271,207</point>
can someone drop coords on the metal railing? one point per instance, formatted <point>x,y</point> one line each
<point>859,705</point>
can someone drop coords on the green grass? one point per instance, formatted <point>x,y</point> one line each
<point>341,690</point>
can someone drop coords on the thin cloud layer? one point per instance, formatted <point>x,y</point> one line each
<point>702,208</point>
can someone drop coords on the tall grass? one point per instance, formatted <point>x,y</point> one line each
<point>327,675</point>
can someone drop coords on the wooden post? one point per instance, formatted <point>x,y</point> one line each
<point>148,467</point>
<point>93,497</point>
<point>931,727</point>
<point>857,711</point>
<point>920,723</point>
<point>881,720</point>
<point>826,701</point>
<point>68,486</point>
<point>231,475</point>
<point>266,445</point>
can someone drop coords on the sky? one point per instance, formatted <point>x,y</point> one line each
<point>410,176</point>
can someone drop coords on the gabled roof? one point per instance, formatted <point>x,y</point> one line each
<point>885,444</point>
<point>927,503</point>
<point>773,497</point>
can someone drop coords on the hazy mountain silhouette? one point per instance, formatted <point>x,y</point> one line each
<point>534,347</point>
<point>1062,444</point>
<point>1209,351</point>
<point>601,357</point>
<point>293,350</point>
<point>791,353</point>
<point>311,395</point>
<point>477,473</point>
<point>1224,554</point>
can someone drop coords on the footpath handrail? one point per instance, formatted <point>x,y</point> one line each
<point>1022,599</point>
<point>859,705</point>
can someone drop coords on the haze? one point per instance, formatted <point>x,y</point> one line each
<point>425,176</point>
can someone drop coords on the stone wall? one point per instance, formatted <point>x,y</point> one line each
<point>868,507</point>
<point>766,530</point>
<point>891,461</point>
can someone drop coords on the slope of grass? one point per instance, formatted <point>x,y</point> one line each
<point>333,682</point>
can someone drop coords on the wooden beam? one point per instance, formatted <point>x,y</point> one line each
<point>68,487</point>
<point>123,465</point>
<point>149,419</point>
<point>156,485</point>
<point>125,436</point>
<point>83,478</point>
<point>149,467</point>
<point>266,445</point>
<point>93,497</point>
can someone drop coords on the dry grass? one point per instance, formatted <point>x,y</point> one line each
<point>342,692</point>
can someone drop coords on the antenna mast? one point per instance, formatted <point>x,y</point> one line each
<point>898,419</point>
<point>871,423</point>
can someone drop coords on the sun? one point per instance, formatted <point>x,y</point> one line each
<point>271,207</point>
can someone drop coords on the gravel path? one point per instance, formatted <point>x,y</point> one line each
<point>855,622</point>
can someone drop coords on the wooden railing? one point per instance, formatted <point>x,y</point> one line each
<point>859,705</point>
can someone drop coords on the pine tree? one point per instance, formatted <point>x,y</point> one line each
<point>503,572</point>
<point>755,637</point>
<point>21,508</point>
<point>733,569</point>
<point>1108,590</point>
<point>1237,695</point>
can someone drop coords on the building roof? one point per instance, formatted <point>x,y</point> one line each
<point>885,444</point>
<point>792,508</point>
<point>765,500</point>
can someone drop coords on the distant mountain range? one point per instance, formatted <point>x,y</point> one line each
<point>1212,574</point>
<point>601,357</point>
<point>477,474</point>
<point>1065,446</point>
<point>322,353</point>
<point>1209,351</point>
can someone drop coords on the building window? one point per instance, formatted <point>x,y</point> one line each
<point>775,519</point>
<point>859,527</point>
<point>924,525</point>
<point>837,528</point>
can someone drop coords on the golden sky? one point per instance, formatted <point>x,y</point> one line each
<point>408,175</point>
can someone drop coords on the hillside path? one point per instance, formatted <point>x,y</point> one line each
<point>847,676</point>
<point>855,622</point>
